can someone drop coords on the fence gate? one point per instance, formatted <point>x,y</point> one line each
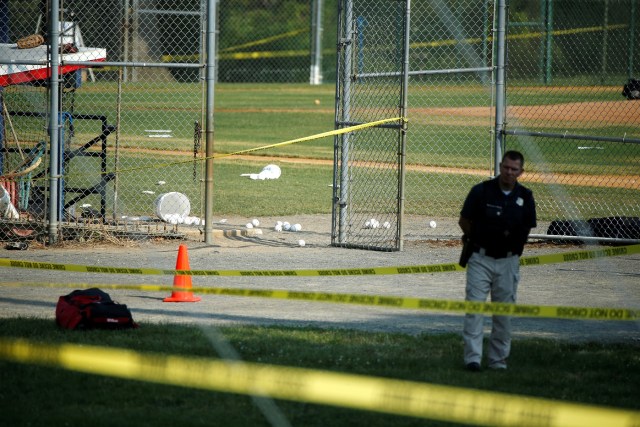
<point>370,86</point>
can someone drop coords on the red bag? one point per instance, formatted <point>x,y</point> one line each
<point>92,309</point>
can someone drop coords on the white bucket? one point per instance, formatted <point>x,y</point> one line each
<point>172,205</point>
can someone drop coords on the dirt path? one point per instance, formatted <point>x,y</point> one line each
<point>586,114</point>
<point>608,282</point>
<point>606,181</point>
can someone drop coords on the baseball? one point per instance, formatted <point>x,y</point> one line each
<point>278,227</point>
<point>386,224</point>
<point>301,242</point>
<point>296,227</point>
<point>317,102</point>
<point>255,222</point>
<point>249,225</point>
<point>432,224</point>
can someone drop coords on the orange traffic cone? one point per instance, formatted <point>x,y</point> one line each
<point>179,281</point>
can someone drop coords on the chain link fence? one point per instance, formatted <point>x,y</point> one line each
<point>123,117</point>
<point>366,207</point>
<point>131,107</point>
<point>450,111</point>
<point>566,64</point>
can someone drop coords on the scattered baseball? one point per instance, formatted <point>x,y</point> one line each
<point>255,222</point>
<point>296,227</point>
<point>278,227</point>
<point>286,226</point>
<point>301,242</point>
<point>372,223</point>
<point>249,225</point>
<point>432,224</point>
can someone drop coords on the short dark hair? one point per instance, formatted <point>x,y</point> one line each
<point>514,155</point>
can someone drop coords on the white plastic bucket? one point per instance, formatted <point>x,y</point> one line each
<point>172,206</point>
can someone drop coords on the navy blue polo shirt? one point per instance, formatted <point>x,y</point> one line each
<point>500,222</point>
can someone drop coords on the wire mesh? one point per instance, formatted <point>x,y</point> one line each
<point>450,139</point>
<point>143,110</point>
<point>367,172</point>
<point>568,63</point>
<point>131,129</point>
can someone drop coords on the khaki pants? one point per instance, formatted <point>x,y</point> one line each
<point>499,278</point>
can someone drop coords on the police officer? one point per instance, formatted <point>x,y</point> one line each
<point>496,217</point>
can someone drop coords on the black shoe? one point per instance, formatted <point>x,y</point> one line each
<point>473,367</point>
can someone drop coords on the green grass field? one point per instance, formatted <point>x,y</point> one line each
<point>250,116</point>
<point>35,395</point>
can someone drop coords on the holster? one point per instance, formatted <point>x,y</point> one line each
<point>467,251</point>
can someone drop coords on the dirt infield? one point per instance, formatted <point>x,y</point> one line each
<point>604,181</point>
<point>573,114</point>
<point>591,114</point>
<point>607,282</point>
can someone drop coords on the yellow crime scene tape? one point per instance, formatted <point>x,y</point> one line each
<point>231,52</point>
<point>221,53</point>
<point>410,303</point>
<point>582,255</point>
<point>521,36</point>
<point>390,396</point>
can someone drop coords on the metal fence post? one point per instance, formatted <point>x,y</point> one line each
<point>403,115</point>
<point>316,42</point>
<point>500,83</point>
<point>210,89</point>
<point>54,122</point>
<point>632,34</point>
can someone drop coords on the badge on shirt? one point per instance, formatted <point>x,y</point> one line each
<point>519,201</point>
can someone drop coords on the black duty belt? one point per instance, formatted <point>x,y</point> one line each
<point>492,252</point>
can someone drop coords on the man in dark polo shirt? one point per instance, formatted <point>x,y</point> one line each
<point>496,217</point>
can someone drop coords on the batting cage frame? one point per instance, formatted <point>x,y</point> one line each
<point>369,164</point>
